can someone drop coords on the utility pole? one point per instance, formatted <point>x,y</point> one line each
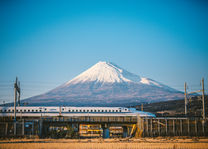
<point>203,107</point>
<point>16,90</point>
<point>203,103</point>
<point>15,98</point>
<point>19,93</point>
<point>185,94</point>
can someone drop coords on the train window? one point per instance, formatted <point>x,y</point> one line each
<point>36,110</point>
<point>21,110</point>
<point>102,110</point>
<point>12,110</point>
<point>116,110</point>
<point>76,110</point>
<point>8,110</point>
<point>28,110</point>
<point>95,110</point>
<point>91,110</point>
<point>105,110</point>
<point>98,110</point>
<point>87,110</point>
<point>62,109</point>
<point>40,110</point>
<point>72,110</point>
<point>24,110</point>
<point>32,110</point>
<point>17,110</point>
<point>119,110</point>
<point>69,110</point>
<point>109,110</point>
<point>83,110</point>
<point>112,110</point>
<point>45,109</point>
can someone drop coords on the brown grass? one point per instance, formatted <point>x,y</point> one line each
<point>149,143</point>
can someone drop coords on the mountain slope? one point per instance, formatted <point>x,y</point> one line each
<point>106,84</point>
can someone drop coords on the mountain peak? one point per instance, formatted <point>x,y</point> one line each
<point>105,72</point>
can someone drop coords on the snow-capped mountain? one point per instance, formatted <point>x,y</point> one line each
<point>106,84</point>
<point>104,72</point>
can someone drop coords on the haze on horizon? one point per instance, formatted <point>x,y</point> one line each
<point>47,43</point>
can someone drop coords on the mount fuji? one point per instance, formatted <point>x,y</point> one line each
<point>106,84</point>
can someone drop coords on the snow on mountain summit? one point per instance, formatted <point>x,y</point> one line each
<point>107,72</point>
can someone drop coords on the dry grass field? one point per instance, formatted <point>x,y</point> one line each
<point>144,143</point>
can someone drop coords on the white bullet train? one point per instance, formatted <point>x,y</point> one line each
<point>52,111</point>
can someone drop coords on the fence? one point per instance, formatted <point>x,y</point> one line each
<point>152,127</point>
<point>175,127</point>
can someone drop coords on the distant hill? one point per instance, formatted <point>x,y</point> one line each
<point>106,84</point>
<point>176,107</point>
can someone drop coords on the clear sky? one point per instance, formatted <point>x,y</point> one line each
<point>46,43</point>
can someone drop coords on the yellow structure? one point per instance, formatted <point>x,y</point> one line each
<point>137,129</point>
<point>116,131</point>
<point>90,130</point>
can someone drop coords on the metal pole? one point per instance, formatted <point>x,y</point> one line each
<point>173,127</point>
<point>151,126</point>
<point>185,94</point>
<point>188,126</point>
<point>40,127</point>
<point>33,127</point>
<point>15,99</point>
<point>15,128</point>
<point>196,127</point>
<point>143,126</point>
<point>18,93</point>
<point>6,129</point>
<point>23,127</point>
<point>203,112</point>
<point>203,105</point>
<point>158,126</point>
<point>203,130</point>
<point>147,127</point>
<point>181,127</point>
<point>166,127</point>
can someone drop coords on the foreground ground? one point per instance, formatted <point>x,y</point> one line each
<point>143,143</point>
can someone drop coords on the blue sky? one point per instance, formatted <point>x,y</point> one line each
<point>46,43</point>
